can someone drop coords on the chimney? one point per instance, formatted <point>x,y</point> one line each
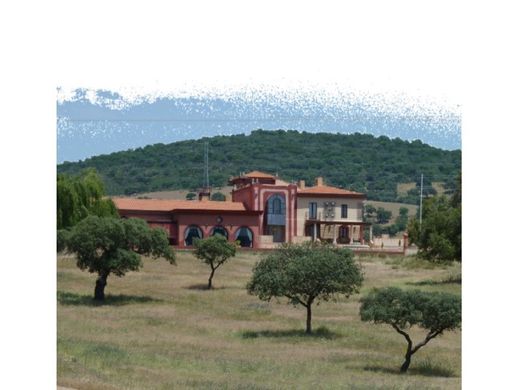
<point>301,184</point>
<point>204,194</point>
<point>318,181</point>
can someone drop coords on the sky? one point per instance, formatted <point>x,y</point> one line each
<point>230,67</point>
<point>93,122</point>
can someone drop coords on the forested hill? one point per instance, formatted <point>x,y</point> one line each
<point>360,162</point>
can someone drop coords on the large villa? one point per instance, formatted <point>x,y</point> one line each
<point>263,212</point>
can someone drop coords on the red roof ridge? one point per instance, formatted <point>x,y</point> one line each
<point>259,174</point>
<point>325,189</point>
<point>175,204</point>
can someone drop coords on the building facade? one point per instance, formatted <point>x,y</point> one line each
<point>263,212</point>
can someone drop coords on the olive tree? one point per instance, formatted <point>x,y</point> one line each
<point>439,236</point>
<point>214,251</point>
<point>435,312</point>
<point>305,274</point>
<point>106,245</point>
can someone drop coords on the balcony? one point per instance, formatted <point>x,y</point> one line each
<point>328,217</point>
<point>314,217</point>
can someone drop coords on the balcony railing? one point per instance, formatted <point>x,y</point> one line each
<point>315,217</point>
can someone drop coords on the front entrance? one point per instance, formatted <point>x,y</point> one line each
<point>343,235</point>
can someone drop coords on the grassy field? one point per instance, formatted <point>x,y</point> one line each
<point>181,194</point>
<point>403,188</point>
<point>394,208</point>
<point>160,330</point>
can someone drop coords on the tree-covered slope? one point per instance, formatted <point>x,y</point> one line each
<point>356,161</point>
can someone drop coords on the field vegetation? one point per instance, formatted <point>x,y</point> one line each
<point>362,162</point>
<point>160,328</point>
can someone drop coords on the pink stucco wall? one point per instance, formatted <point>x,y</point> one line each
<point>206,222</point>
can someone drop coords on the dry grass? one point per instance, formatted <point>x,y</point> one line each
<point>439,187</point>
<point>159,330</point>
<point>394,208</point>
<point>181,194</point>
<point>403,188</point>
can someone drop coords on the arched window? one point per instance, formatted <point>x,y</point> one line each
<point>191,233</point>
<point>245,236</point>
<point>219,230</point>
<point>276,205</point>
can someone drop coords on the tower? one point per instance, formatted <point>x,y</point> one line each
<point>205,191</point>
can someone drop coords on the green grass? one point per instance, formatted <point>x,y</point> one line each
<point>157,331</point>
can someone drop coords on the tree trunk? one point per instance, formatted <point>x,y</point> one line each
<point>308,330</point>
<point>99,291</point>
<point>406,364</point>
<point>211,278</point>
<point>409,350</point>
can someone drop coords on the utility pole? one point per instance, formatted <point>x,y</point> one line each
<point>420,203</point>
<point>206,167</point>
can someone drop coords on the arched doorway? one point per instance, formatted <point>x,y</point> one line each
<point>219,230</point>
<point>191,233</point>
<point>245,236</point>
<point>274,224</point>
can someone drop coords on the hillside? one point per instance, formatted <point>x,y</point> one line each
<point>362,162</point>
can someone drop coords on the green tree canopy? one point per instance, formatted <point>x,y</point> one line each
<point>370,212</point>
<point>191,195</point>
<point>80,196</point>
<point>305,274</point>
<point>375,164</point>
<point>218,196</point>
<point>435,312</point>
<point>106,245</point>
<point>401,221</point>
<point>382,215</point>
<point>214,251</point>
<point>440,235</point>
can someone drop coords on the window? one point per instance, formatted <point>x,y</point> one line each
<point>245,236</point>
<point>344,211</point>
<point>277,206</point>
<point>275,210</point>
<point>313,210</point>
<point>219,230</point>
<point>192,232</point>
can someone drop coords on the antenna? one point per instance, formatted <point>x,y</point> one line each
<point>420,203</point>
<point>206,167</point>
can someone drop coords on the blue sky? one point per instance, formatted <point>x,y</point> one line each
<point>92,122</point>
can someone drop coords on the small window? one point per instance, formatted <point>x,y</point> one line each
<point>313,210</point>
<point>344,211</point>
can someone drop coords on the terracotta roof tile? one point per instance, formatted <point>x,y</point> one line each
<point>171,205</point>
<point>258,174</point>
<point>325,190</point>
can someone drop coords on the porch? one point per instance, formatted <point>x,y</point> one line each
<point>338,232</point>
